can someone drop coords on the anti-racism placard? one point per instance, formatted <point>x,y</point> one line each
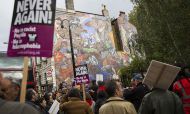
<point>82,74</point>
<point>32,28</point>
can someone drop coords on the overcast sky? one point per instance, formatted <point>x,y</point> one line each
<point>91,6</point>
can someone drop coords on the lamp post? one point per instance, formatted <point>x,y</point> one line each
<point>71,43</point>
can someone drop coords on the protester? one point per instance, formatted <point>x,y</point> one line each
<point>75,105</point>
<point>132,85</point>
<point>57,96</point>
<point>90,101</point>
<point>12,92</point>
<point>136,94</point>
<point>93,89</point>
<point>160,101</point>
<point>101,98</point>
<point>17,88</point>
<point>115,104</point>
<point>41,102</point>
<point>49,100</point>
<point>31,97</point>
<point>8,107</point>
<point>182,88</point>
<point>101,86</point>
<point>5,84</point>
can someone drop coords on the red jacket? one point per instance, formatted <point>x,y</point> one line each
<point>182,88</point>
<point>101,88</point>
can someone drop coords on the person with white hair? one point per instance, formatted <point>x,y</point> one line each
<point>8,107</point>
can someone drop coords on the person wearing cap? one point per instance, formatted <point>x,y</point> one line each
<point>136,94</point>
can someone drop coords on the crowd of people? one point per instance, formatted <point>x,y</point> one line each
<point>103,98</point>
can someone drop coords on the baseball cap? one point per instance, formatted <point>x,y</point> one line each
<point>138,77</point>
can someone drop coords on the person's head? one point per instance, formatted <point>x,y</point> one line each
<point>5,85</point>
<point>41,101</point>
<point>101,83</point>
<point>4,82</point>
<point>133,84</point>
<point>48,97</point>
<point>64,90</point>
<point>31,95</point>
<point>184,72</point>
<point>187,71</point>
<point>12,91</point>
<point>137,79</point>
<point>74,93</point>
<point>114,89</point>
<point>101,95</point>
<point>93,82</point>
<point>88,96</point>
<point>58,94</point>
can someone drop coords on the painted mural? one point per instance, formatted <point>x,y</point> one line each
<point>93,45</point>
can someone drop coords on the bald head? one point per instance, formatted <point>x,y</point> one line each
<point>7,91</point>
<point>4,83</point>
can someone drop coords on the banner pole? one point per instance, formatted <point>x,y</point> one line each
<point>84,93</point>
<point>24,80</point>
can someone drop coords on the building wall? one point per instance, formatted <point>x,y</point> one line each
<point>93,45</point>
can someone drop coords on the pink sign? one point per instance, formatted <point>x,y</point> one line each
<point>32,28</point>
<point>82,74</point>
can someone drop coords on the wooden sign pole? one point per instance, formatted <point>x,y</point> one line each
<point>84,92</point>
<point>24,80</point>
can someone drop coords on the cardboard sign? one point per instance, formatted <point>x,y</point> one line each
<point>54,108</point>
<point>32,28</point>
<point>82,74</point>
<point>160,75</point>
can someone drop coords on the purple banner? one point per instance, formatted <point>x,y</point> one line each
<point>32,28</point>
<point>82,74</point>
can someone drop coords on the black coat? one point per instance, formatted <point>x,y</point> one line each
<point>136,95</point>
<point>33,105</point>
<point>43,110</point>
<point>7,107</point>
<point>98,104</point>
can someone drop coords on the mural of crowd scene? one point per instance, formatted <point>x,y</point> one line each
<point>93,45</point>
<point>127,30</point>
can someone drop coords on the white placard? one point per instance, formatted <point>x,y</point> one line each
<point>160,75</point>
<point>54,108</point>
<point>99,77</point>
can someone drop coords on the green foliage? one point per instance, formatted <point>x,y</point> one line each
<point>123,73</point>
<point>138,65</point>
<point>163,34</point>
<point>163,29</point>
